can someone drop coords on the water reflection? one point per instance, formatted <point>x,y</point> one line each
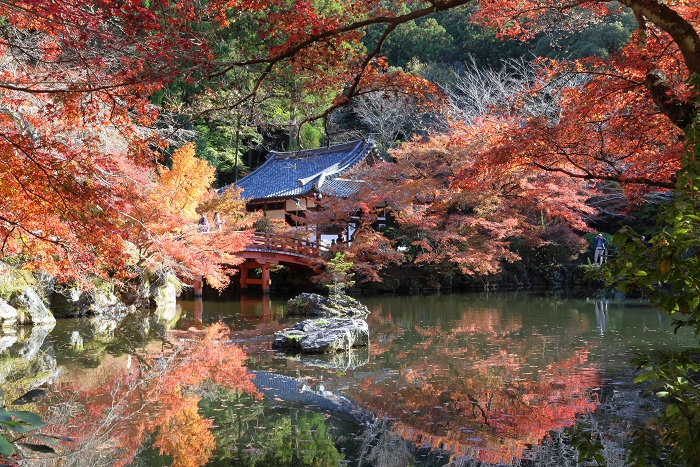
<point>254,433</point>
<point>478,384</point>
<point>111,410</point>
<point>461,379</point>
<point>601,315</point>
<point>486,378</point>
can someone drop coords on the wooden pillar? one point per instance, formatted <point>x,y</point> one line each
<point>266,278</point>
<point>198,285</point>
<point>244,276</point>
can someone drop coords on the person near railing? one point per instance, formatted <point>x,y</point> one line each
<point>203,223</point>
<point>218,222</point>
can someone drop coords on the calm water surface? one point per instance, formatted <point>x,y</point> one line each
<point>465,380</point>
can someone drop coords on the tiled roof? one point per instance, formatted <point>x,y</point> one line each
<point>288,174</point>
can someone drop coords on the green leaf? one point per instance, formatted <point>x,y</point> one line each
<point>39,448</point>
<point>46,439</point>
<point>28,417</point>
<point>6,448</point>
<point>671,409</point>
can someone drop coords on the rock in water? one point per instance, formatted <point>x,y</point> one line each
<point>323,336</point>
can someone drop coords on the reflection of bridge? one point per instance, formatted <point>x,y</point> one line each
<point>293,391</point>
<point>268,248</point>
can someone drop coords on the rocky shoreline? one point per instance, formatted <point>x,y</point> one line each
<point>38,299</point>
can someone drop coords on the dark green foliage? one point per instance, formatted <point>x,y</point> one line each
<point>586,440</point>
<point>667,271</point>
<point>446,37</point>
<point>475,42</point>
<point>224,146</point>
<point>600,39</point>
<point>450,37</point>
<point>251,434</point>
<point>426,40</point>
<point>673,377</point>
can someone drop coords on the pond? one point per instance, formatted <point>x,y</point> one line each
<point>461,380</point>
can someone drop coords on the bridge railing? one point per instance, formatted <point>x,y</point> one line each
<point>285,244</point>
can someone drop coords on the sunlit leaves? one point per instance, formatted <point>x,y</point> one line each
<point>451,222</point>
<point>162,223</point>
<point>181,188</point>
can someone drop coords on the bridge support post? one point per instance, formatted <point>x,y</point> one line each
<point>246,280</point>
<point>266,278</point>
<point>198,285</point>
<point>244,276</point>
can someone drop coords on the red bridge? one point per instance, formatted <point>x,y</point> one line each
<point>267,248</point>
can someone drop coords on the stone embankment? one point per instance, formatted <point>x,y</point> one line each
<point>31,302</point>
<point>38,299</point>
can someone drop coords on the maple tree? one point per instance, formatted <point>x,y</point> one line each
<point>79,131</point>
<point>77,76</point>
<point>467,230</point>
<point>162,223</point>
<point>625,124</point>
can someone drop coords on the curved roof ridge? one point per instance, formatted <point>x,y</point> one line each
<point>289,174</point>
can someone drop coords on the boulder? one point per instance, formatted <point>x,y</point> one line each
<point>31,309</point>
<point>8,314</point>
<point>164,295</point>
<point>323,335</point>
<point>45,284</point>
<point>311,304</point>
<point>71,302</point>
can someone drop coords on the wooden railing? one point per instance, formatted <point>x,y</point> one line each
<point>279,243</point>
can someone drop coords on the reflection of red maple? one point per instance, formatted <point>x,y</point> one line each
<point>472,398</point>
<point>111,422</point>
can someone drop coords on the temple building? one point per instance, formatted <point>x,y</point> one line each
<point>290,183</point>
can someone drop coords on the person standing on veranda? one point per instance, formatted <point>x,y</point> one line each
<point>218,222</point>
<point>203,223</point>
<point>599,255</point>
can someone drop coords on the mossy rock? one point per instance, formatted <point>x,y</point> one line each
<point>311,304</point>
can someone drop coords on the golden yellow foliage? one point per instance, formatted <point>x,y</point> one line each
<point>185,436</point>
<point>183,187</point>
